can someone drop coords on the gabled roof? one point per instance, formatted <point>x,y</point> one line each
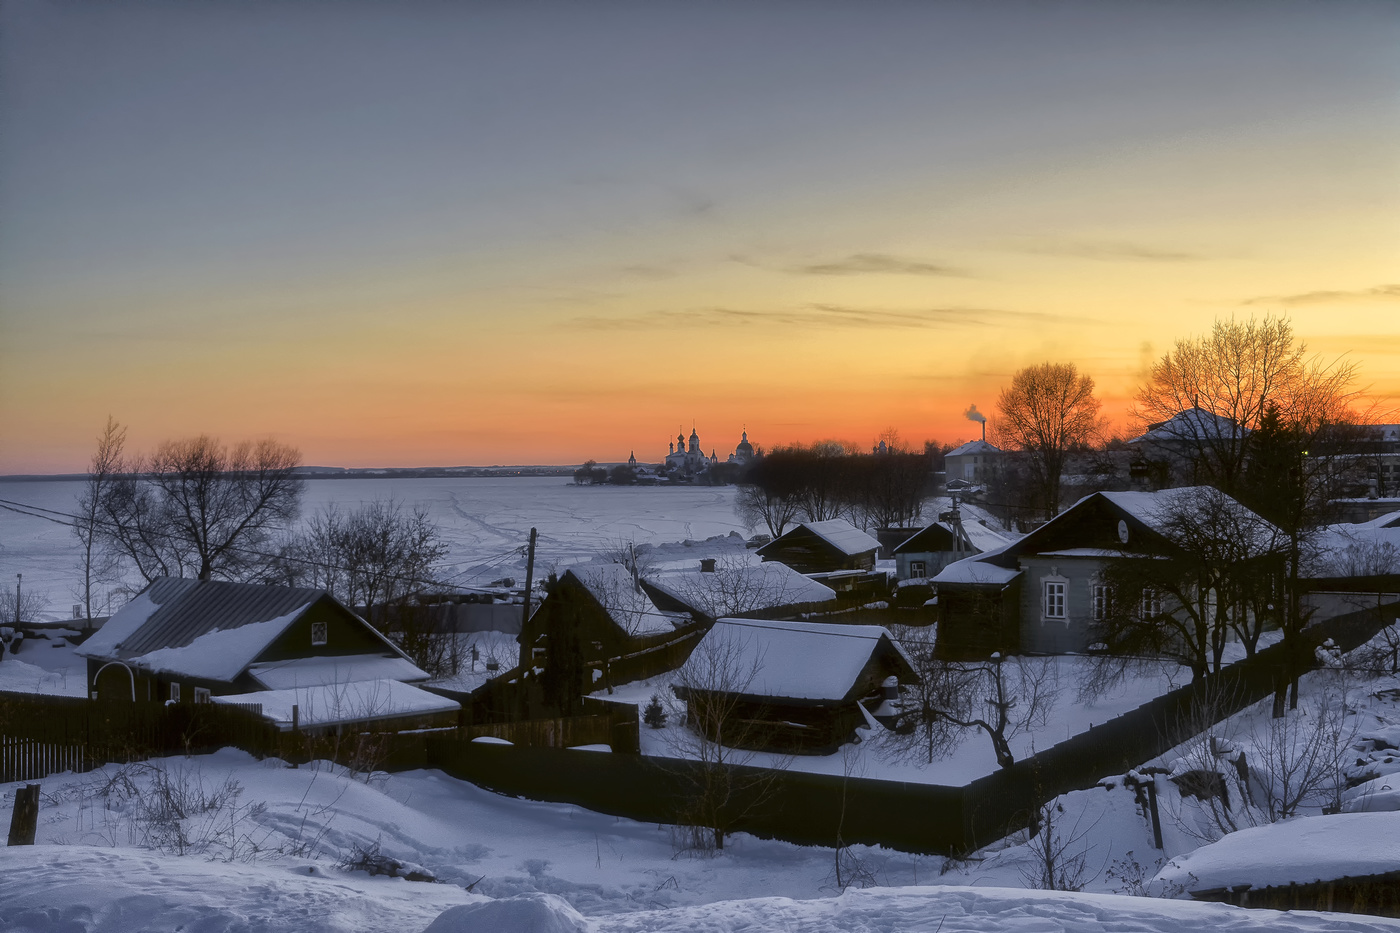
<point>208,629</point>
<point>837,532</point>
<point>625,602</point>
<point>358,701</point>
<point>932,539</point>
<point>799,660</point>
<point>973,447</point>
<point>729,590</point>
<point>1092,522</point>
<point>334,669</point>
<point>986,569</point>
<point>1193,424</point>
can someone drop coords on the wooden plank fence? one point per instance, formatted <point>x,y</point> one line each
<point>30,760</point>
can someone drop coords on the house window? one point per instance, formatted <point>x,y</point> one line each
<point>318,633</point>
<point>1151,603</point>
<point>1100,602</point>
<point>201,695</point>
<point>174,693</point>
<point>1053,600</point>
<point>917,569</point>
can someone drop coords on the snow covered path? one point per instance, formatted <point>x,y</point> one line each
<point>78,889</point>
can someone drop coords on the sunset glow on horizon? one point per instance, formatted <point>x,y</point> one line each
<point>431,235</point>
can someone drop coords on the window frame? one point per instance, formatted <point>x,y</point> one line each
<point>1058,591</point>
<point>1101,595</point>
<point>174,691</point>
<point>918,569</point>
<point>321,629</point>
<point>202,695</point>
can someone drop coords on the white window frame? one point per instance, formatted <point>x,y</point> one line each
<point>320,632</point>
<point>1054,600</point>
<point>918,569</point>
<point>1151,604</point>
<point>1102,594</point>
<point>202,695</point>
<point>174,692</point>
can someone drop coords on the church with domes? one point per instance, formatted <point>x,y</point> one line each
<point>686,460</point>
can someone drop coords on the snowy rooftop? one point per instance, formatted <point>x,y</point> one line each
<point>733,588</point>
<point>842,535</point>
<point>795,660</point>
<point>977,570</point>
<point>315,672</point>
<point>973,447</point>
<point>347,702</point>
<point>626,603</point>
<point>1301,850</point>
<point>1190,425</point>
<point>978,535</point>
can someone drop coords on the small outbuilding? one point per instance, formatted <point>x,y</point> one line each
<point>789,686</point>
<point>823,547</point>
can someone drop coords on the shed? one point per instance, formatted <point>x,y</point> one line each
<point>821,547</point>
<point>788,686</point>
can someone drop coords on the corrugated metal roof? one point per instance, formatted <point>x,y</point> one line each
<point>188,609</point>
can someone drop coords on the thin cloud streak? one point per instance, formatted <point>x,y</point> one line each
<point>1108,251</point>
<point>877,264</point>
<point>1378,293</point>
<point>817,315</point>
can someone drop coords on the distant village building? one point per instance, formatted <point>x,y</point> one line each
<point>971,463</point>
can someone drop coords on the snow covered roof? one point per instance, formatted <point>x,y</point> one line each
<point>840,534</point>
<point>978,570</point>
<point>209,629</point>
<point>796,660</point>
<point>1296,851</point>
<point>328,704</point>
<point>315,672</point>
<point>625,602</point>
<point>1194,424</point>
<point>978,535</point>
<point>973,447</point>
<point>743,588</point>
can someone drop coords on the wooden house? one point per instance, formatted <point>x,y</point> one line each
<point>923,554</point>
<point>823,547</point>
<point>599,627</point>
<point>973,463</point>
<point>788,686</point>
<point>190,641</point>
<point>1046,593</point>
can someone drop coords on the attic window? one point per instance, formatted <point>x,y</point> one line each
<point>318,633</point>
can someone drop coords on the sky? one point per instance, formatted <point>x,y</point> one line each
<point>436,234</point>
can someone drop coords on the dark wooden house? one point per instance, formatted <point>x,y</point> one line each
<point>822,547</point>
<point>599,627</point>
<point>188,641</point>
<point>789,686</point>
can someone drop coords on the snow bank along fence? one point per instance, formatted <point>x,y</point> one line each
<point>1378,895</point>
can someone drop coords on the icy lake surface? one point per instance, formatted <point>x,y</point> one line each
<point>485,521</point>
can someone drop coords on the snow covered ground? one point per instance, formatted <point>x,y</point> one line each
<point>484,520</point>
<point>883,756</point>
<point>269,847</point>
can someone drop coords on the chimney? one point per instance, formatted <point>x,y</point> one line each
<point>707,565</point>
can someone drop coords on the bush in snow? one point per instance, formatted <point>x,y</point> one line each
<point>655,714</point>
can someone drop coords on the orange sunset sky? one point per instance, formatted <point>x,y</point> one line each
<point>426,234</point>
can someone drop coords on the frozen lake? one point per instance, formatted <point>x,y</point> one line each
<point>485,522</point>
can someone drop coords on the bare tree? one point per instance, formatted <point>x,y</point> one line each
<point>1225,382</point>
<point>757,506</point>
<point>1002,697</point>
<point>98,563</point>
<point>1219,572</point>
<point>201,508</point>
<point>381,556</point>
<point>718,738</point>
<point>1048,410</point>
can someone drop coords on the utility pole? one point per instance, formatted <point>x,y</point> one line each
<point>529,585</point>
